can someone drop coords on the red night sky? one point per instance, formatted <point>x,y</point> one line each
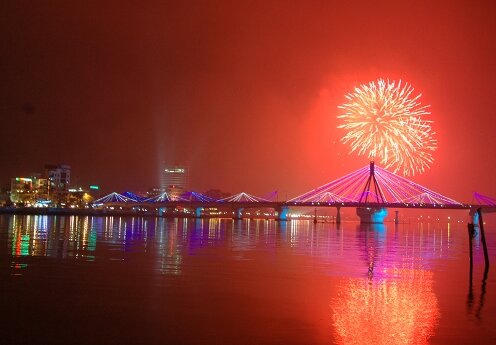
<point>244,93</point>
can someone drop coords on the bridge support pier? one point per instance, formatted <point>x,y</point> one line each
<point>282,213</point>
<point>396,218</point>
<point>475,218</point>
<point>371,215</point>
<point>338,215</point>
<point>198,211</point>
<point>238,213</point>
<point>161,211</point>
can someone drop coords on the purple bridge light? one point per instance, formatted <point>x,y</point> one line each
<point>372,184</point>
<point>484,200</point>
<point>371,190</point>
<point>243,197</point>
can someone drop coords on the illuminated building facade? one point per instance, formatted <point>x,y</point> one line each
<point>27,190</point>
<point>78,197</point>
<point>50,188</point>
<point>58,180</point>
<point>58,176</point>
<point>21,190</point>
<point>174,180</point>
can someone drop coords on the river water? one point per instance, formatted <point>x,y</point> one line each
<point>123,280</point>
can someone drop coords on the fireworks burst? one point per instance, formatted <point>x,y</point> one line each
<point>384,121</point>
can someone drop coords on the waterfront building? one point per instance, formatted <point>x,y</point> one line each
<point>78,197</point>
<point>58,181</point>
<point>28,191</point>
<point>58,176</point>
<point>50,188</point>
<point>21,189</point>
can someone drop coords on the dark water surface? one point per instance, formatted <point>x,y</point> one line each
<point>112,280</point>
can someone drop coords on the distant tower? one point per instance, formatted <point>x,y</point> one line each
<point>174,180</point>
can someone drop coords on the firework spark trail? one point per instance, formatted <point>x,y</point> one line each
<point>384,121</point>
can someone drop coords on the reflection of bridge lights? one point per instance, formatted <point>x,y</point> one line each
<point>399,310</point>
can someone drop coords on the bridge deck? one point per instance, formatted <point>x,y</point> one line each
<point>280,204</point>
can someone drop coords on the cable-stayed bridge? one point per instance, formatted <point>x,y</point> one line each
<point>371,190</point>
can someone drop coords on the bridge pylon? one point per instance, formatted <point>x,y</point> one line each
<point>372,180</point>
<point>372,215</point>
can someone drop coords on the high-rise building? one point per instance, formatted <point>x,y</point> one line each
<point>174,180</point>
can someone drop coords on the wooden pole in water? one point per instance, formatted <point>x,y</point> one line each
<point>483,237</point>
<point>471,231</point>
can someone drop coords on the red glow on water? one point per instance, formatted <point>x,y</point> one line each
<point>402,310</point>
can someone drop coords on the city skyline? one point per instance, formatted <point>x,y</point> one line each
<point>245,95</point>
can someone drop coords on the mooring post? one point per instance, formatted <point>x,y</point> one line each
<point>483,237</point>
<point>471,232</point>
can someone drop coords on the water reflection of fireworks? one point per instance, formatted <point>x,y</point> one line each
<point>398,310</point>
